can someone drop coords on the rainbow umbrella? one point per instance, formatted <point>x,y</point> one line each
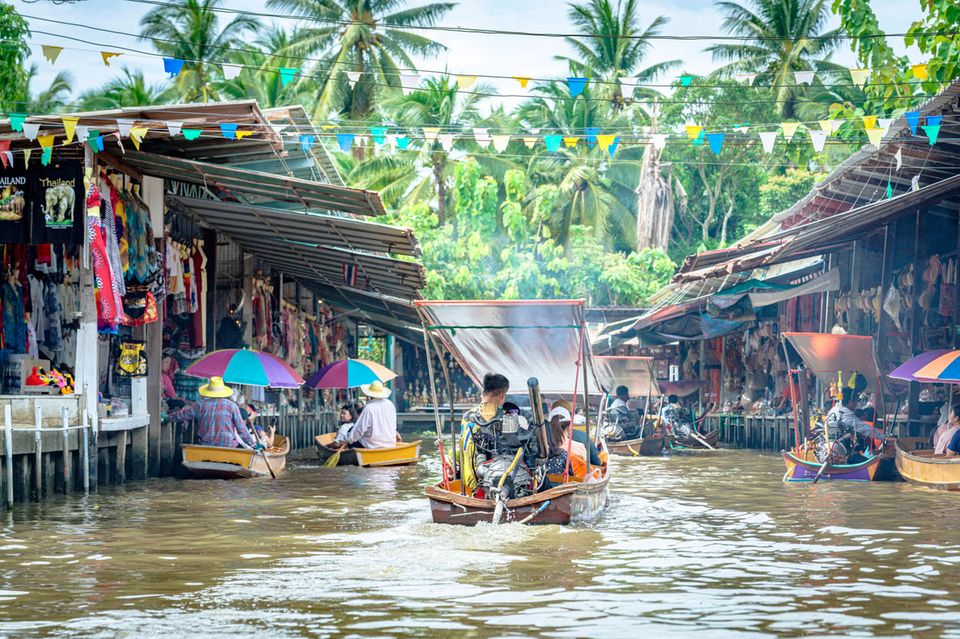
<point>945,368</point>
<point>349,373</point>
<point>244,366</point>
<point>908,370</point>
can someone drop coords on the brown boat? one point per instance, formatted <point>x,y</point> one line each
<point>690,442</point>
<point>553,506</point>
<point>642,446</point>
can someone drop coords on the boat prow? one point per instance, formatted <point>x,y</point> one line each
<point>403,454</point>
<point>800,469</point>
<point>691,442</point>
<point>218,462</point>
<point>651,446</point>
<point>923,468</point>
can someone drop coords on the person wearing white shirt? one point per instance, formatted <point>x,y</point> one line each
<point>376,427</point>
<point>623,399</point>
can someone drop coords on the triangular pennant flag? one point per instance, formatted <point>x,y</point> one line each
<point>353,77</point>
<point>328,127</point>
<point>30,130</point>
<point>137,133</point>
<point>409,82</point>
<point>875,136</point>
<point>51,53</point>
<point>919,71</point>
<point>16,120</point>
<point>430,134</point>
<point>715,140</point>
<point>46,141</point>
<point>228,130</point>
<point>46,155</point>
<point>501,142</point>
<point>26,157</point>
<point>244,134</point>
<point>173,128</point>
<point>4,149</point>
<point>392,140</point>
<point>859,76</point>
<point>83,132</point>
<point>530,141</point>
<point>591,133</point>
<point>172,66</point>
<point>231,71</point>
<point>913,119</point>
<point>481,136</point>
<point>899,157</point>
<point>613,145</point>
<point>287,74</point>
<point>576,86</point>
<point>552,142</point>
<point>402,142</point>
<point>869,121</point>
<point>747,78</point>
<point>686,80</point>
<point>570,141</point>
<point>884,123</point>
<point>446,141</point>
<point>345,141</point>
<point>818,139</point>
<point>378,134</point>
<point>659,141</point>
<point>464,82</point>
<point>106,55</point>
<point>123,126</point>
<point>119,142</point>
<point>698,141</point>
<point>277,128</point>
<point>826,126</point>
<point>7,158</point>
<point>934,119</point>
<point>99,143</point>
<point>306,142</point>
<point>741,128</point>
<point>767,139</point>
<point>915,183</point>
<point>803,77</point>
<point>191,134</point>
<point>889,190</point>
<point>604,141</point>
<point>789,129</point>
<point>932,131</point>
<point>524,81</point>
<point>693,131</point>
<point>69,126</point>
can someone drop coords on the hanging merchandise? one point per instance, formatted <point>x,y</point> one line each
<point>139,306</point>
<point>109,301</point>
<point>15,199</point>
<point>14,322</point>
<point>131,360</point>
<point>58,205</point>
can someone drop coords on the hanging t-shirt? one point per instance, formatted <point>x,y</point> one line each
<point>15,200</point>
<point>58,212</point>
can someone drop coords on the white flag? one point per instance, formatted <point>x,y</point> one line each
<point>884,123</point>
<point>123,126</point>
<point>409,82</point>
<point>30,130</point>
<point>803,77</point>
<point>818,138</point>
<point>231,71</point>
<point>446,141</point>
<point>767,138</point>
<point>430,134</point>
<point>481,136</point>
<point>747,78</point>
<point>501,142</point>
<point>631,81</point>
<point>659,141</point>
<point>83,132</point>
<point>173,128</point>
<point>742,128</point>
<point>392,140</point>
<point>353,77</point>
<point>899,157</point>
<point>530,141</point>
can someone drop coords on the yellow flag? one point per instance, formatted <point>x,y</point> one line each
<point>137,133</point>
<point>51,52</point>
<point>919,71</point>
<point>693,131</point>
<point>571,141</point>
<point>869,121</point>
<point>26,157</point>
<point>46,141</point>
<point>465,81</point>
<point>789,129</point>
<point>243,134</point>
<point>327,127</point>
<point>604,141</point>
<point>522,80</point>
<point>530,141</point>
<point>875,135</point>
<point>859,76</point>
<point>106,55</point>
<point>826,126</point>
<point>69,126</point>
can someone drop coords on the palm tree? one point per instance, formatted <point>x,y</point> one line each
<point>260,79</point>
<point>780,37</point>
<point>613,46</point>
<point>364,36</point>
<point>131,89</point>
<point>51,99</point>
<point>190,31</point>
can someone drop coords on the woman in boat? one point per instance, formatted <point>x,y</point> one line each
<point>348,417</point>
<point>560,443</point>
<point>218,418</point>
<point>945,433</point>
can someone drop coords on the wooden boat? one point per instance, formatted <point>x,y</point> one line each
<point>643,446</point>
<point>591,496</point>
<point>553,506</point>
<point>690,442</point>
<point>217,462</point>
<point>802,469</point>
<point>404,453</point>
<point>923,468</point>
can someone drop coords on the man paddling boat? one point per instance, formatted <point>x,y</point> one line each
<point>376,427</point>
<point>219,422</point>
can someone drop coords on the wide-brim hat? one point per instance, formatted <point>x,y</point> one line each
<point>215,388</point>
<point>375,390</point>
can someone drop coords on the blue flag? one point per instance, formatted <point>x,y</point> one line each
<point>576,86</point>
<point>913,119</point>
<point>716,142</point>
<point>172,66</point>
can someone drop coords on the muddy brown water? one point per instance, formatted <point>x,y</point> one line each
<point>712,545</point>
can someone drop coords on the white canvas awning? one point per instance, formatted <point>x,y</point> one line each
<point>636,373</point>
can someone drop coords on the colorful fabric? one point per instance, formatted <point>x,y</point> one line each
<point>109,302</point>
<point>219,423</point>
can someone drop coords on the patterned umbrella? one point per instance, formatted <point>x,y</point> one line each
<point>349,373</point>
<point>908,370</point>
<point>244,366</point>
<point>945,368</point>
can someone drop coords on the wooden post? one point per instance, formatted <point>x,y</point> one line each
<point>86,369</point>
<point>121,477</point>
<point>8,444</point>
<point>67,461</point>
<point>85,451</point>
<point>38,453</point>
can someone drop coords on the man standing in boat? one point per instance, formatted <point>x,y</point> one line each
<point>376,427</point>
<point>219,422</point>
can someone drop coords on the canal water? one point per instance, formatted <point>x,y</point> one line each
<point>713,545</point>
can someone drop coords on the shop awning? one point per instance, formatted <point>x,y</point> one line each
<point>519,339</point>
<point>257,187</point>
<point>636,373</point>
<point>826,354</point>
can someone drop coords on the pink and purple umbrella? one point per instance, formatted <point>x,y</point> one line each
<point>244,366</point>
<point>349,373</point>
<point>908,370</point>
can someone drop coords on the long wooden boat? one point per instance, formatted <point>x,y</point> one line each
<point>651,446</point>
<point>553,506</point>
<point>403,454</point>
<point>217,462</point>
<point>591,496</point>
<point>691,442</point>
<point>802,469</point>
<point>923,468</point>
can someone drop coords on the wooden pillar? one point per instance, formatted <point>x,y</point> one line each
<point>210,295</point>
<point>916,317</point>
<point>121,470</point>
<point>86,370</point>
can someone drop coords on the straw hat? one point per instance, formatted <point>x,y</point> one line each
<point>376,390</point>
<point>216,388</point>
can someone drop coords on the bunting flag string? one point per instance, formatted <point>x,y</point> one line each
<point>817,139</point>
<point>287,75</point>
<point>69,126</point>
<point>51,52</point>
<point>576,86</point>
<point>715,140</point>
<point>231,71</point>
<point>107,55</point>
<point>172,67</point>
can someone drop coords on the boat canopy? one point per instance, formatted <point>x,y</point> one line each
<point>636,373</point>
<point>516,338</point>
<point>826,354</point>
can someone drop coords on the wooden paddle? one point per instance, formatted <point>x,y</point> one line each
<point>700,439</point>
<point>266,461</point>
<point>333,459</point>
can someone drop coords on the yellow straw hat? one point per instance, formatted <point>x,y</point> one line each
<point>375,389</point>
<point>216,388</point>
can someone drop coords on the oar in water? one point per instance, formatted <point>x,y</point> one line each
<point>333,459</point>
<point>266,461</point>
<point>700,439</point>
